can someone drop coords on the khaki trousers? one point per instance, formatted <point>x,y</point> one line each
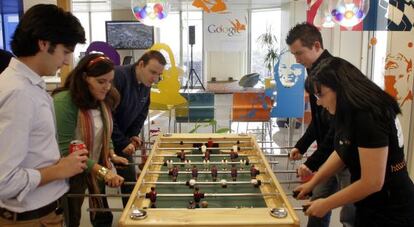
<point>50,220</point>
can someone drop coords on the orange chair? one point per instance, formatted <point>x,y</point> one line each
<point>252,107</point>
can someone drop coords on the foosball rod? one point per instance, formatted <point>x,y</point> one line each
<point>196,148</point>
<point>99,195</point>
<point>201,155</point>
<point>194,163</point>
<point>214,195</point>
<point>202,163</point>
<point>212,155</point>
<point>201,182</point>
<point>205,142</point>
<point>197,182</point>
<point>219,172</point>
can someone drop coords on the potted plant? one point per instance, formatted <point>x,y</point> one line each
<point>269,42</point>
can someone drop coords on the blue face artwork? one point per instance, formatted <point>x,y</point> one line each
<point>288,95</point>
<point>289,76</point>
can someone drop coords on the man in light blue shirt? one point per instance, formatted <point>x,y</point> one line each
<point>32,173</point>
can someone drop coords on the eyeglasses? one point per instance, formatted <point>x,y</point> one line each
<point>320,95</point>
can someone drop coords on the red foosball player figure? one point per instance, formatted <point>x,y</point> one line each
<point>181,155</point>
<point>254,172</point>
<point>210,142</point>
<point>233,172</point>
<point>194,172</point>
<point>197,197</point>
<point>152,196</point>
<point>214,171</point>
<point>174,173</point>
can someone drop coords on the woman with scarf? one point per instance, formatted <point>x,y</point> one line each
<point>83,112</point>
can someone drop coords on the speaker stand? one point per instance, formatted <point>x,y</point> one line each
<point>190,82</point>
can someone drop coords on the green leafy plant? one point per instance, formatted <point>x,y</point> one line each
<point>209,123</point>
<point>269,42</point>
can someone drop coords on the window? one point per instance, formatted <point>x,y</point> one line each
<point>92,16</point>
<point>261,22</point>
<point>10,23</point>
<point>1,32</point>
<point>170,35</point>
<point>380,50</point>
<point>84,20</point>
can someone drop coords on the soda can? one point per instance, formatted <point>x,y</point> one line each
<point>76,145</point>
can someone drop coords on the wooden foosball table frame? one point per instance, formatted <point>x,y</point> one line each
<point>278,210</point>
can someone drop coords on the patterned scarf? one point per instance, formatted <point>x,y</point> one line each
<point>85,121</point>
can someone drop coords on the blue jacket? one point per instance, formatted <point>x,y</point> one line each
<point>132,111</point>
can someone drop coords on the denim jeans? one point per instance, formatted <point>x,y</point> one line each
<point>325,189</point>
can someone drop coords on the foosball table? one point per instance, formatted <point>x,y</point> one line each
<point>207,180</point>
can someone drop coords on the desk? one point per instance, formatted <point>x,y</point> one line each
<point>226,207</point>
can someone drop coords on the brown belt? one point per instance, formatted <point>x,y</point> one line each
<point>29,215</point>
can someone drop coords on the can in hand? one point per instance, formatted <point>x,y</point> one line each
<point>76,145</point>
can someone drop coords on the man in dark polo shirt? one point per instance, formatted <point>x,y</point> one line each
<point>134,85</point>
<point>305,43</point>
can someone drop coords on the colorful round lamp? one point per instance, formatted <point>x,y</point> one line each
<point>150,12</point>
<point>323,16</point>
<point>349,13</point>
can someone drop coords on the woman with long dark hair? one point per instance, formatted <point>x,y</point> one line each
<point>83,112</point>
<point>369,141</point>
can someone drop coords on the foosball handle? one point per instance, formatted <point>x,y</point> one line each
<point>305,207</point>
<point>296,193</point>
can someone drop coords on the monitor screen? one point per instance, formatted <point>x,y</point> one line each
<point>129,35</point>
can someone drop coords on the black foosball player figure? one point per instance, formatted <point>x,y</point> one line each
<point>174,173</point>
<point>181,155</point>
<point>197,197</point>
<point>214,171</point>
<point>233,172</point>
<point>194,172</point>
<point>254,172</point>
<point>152,196</point>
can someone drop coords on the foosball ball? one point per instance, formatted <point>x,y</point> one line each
<point>207,180</point>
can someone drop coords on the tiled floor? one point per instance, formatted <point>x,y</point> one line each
<point>223,102</point>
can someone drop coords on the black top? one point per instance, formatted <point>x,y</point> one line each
<point>5,58</point>
<point>320,128</point>
<point>366,132</point>
<point>132,111</point>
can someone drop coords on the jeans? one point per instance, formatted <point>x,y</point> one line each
<point>327,188</point>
